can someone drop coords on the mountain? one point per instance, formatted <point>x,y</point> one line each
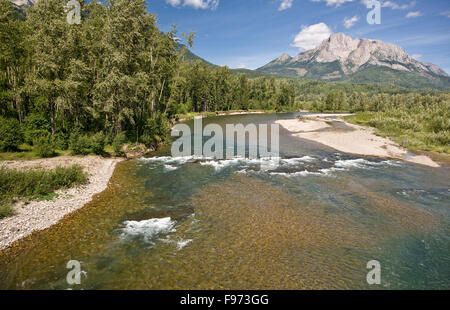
<point>23,4</point>
<point>341,58</point>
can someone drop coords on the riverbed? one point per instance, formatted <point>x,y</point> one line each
<point>311,221</point>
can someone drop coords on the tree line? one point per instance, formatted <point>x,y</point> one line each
<point>116,77</point>
<point>114,73</point>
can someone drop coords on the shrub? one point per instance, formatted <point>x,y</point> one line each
<point>36,182</point>
<point>80,144</point>
<point>6,211</point>
<point>118,142</point>
<point>61,141</point>
<point>156,130</point>
<point>10,134</point>
<point>98,143</point>
<point>35,126</point>
<point>44,147</point>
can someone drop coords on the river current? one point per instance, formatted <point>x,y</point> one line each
<point>313,221</point>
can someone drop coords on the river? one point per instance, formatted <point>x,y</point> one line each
<point>312,222</point>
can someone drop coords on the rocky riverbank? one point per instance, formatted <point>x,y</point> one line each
<point>38,215</point>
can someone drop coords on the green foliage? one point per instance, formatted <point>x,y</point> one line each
<point>61,141</point>
<point>34,126</point>
<point>79,144</point>
<point>44,147</point>
<point>98,143</point>
<point>425,126</point>
<point>10,134</point>
<point>6,211</point>
<point>155,131</point>
<point>118,142</point>
<point>32,184</point>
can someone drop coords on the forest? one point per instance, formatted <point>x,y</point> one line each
<point>116,78</point>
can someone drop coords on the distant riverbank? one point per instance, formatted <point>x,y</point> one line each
<point>39,215</point>
<point>332,131</point>
<point>189,116</point>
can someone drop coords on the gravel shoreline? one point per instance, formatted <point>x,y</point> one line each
<point>349,138</point>
<point>39,215</point>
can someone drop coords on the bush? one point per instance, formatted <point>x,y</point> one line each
<point>98,143</point>
<point>35,126</point>
<point>156,130</point>
<point>61,141</point>
<point>10,134</point>
<point>6,211</point>
<point>35,183</point>
<point>118,142</point>
<point>80,144</point>
<point>44,147</point>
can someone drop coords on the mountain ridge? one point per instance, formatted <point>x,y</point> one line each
<point>341,58</point>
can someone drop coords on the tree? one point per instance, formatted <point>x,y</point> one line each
<point>14,57</point>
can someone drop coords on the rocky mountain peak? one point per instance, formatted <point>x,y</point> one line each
<point>23,3</point>
<point>345,56</point>
<point>283,58</point>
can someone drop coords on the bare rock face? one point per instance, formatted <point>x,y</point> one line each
<point>23,3</point>
<point>284,58</point>
<point>435,69</point>
<point>353,54</point>
<point>342,53</point>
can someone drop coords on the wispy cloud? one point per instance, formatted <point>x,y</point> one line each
<point>311,36</point>
<point>445,13</point>
<point>413,14</point>
<point>395,6</point>
<point>350,22</point>
<point>335,3</point>
<point>197,4</point>
<point>285,4</point>
<point>417,56</point>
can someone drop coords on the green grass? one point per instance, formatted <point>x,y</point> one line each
<point>411,130</point>
<point>6,211</point>
<point>26,152</point>
<point>36,184</point>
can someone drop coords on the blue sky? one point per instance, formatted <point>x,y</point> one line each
<point>250,33</point>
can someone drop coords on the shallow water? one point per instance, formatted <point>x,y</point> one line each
<point>313,222</point>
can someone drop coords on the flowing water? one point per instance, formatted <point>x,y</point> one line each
<point>312,222</point>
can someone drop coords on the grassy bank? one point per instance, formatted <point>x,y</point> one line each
<point>27,152</point>
<point>414,131</point>
<point>35,184</point>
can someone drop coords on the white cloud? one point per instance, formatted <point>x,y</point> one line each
<point>333,2</point>
<point>445,13</point>
<point>311,36</point>
<point>174,2</point>
<point>350,22</point>
<point>395,6</point>
<point>197,4</point>
<point>285,4</point>
<point>417,56</point>
<point>413,14</point>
